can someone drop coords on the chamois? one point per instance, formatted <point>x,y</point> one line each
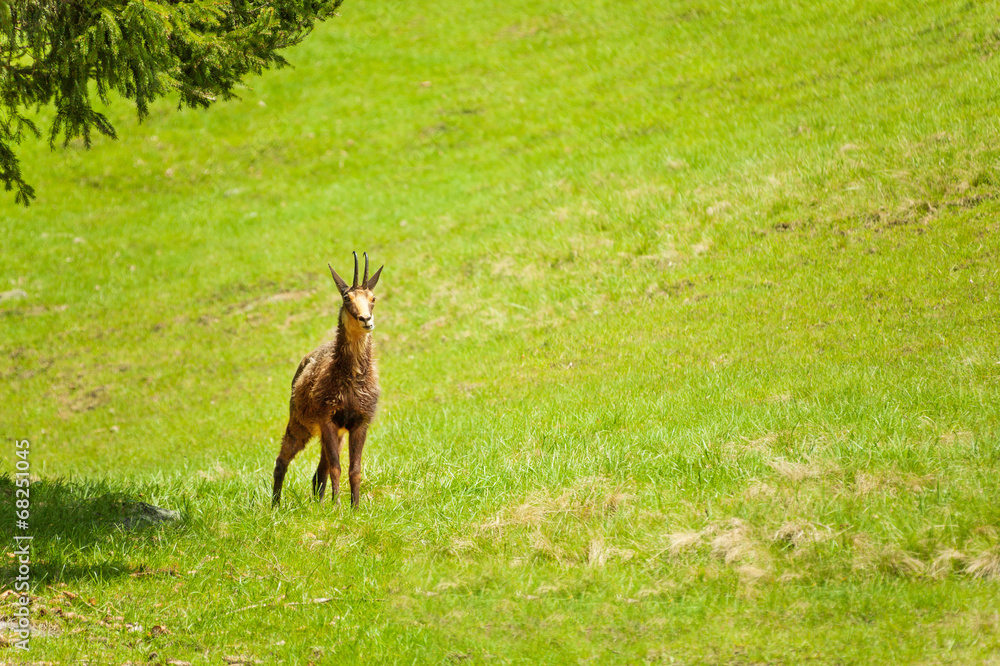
<point>335,392</point>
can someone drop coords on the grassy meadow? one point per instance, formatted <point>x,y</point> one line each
<point>688,339</point>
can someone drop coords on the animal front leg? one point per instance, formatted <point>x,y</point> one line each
<point>357,444</point>
<point>335,470</point>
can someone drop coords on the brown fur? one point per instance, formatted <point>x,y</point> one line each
<point>335,393</point>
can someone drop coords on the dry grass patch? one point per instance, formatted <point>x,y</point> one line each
<point>663,588</point>
<point>586,500</point>
<point>463,547</point>
<point>542,546</point>
<point>890,483</point>
<point>758,491</point>
<point>762,446</point>
<point>986,565</point>
<point>800,533</point>
<point>598,553</point>
<point>891,559</point>
<point>562,546</point>
<point>946,562</point>
<point>894,560</point>
<point>796,472</point>
<point>215,473</point>
<point>616,500</point>
<point>789,577</point>
<point>731,541</point>
<point>537,509</point>
<point>750,573</point>
<point>549,588</point>
<point>681,541</point>
<point>887,559</point>
<point>956,438</point>
<point>735,543</point>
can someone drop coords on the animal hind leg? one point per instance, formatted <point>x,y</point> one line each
<point>322,472</point>
<point>331,439</point>
<point>296,436</point>
<point>357,444</point>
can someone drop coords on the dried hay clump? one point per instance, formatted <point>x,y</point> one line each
<point>986,565</point>
<point>598,553</point>
<point>889,559</point>
<point>615,501</point>
<point>536,509</point>
<point>947,561</point>
<point>759,491</point>
<point>743,447</point>
<point>751,574</point>
<point>681,541</point>
<point>589,498</point>
<point>763,444</point>
<point>893,560</point>
<point>866,483</point>
<point>662,588</point>
<point>896,561</point>
<point>544,547</point>
<point>794,471</point>
<point>731,542</point>
<point>462,546</point>
<point>800,533</point>
<point>735,544</point>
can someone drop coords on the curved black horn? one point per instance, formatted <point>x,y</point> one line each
<point>364,282</point>
<point>355,285</point>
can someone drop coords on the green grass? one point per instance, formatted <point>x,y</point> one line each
<point>687,330</point>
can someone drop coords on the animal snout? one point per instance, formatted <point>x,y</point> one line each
<point>368,322</point>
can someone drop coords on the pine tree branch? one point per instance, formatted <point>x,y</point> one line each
<point>51,50</point>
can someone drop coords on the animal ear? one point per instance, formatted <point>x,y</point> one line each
<point>341,285</point>
<point>373,280</point>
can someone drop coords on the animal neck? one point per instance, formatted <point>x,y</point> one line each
<point>353,347</point>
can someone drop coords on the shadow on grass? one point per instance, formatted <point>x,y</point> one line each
<point>73,528</point>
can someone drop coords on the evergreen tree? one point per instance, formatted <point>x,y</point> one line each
<point>51,51</point>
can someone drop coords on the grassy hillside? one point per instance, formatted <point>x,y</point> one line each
<point>687,330</point>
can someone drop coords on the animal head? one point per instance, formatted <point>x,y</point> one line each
<point>359,301</point>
